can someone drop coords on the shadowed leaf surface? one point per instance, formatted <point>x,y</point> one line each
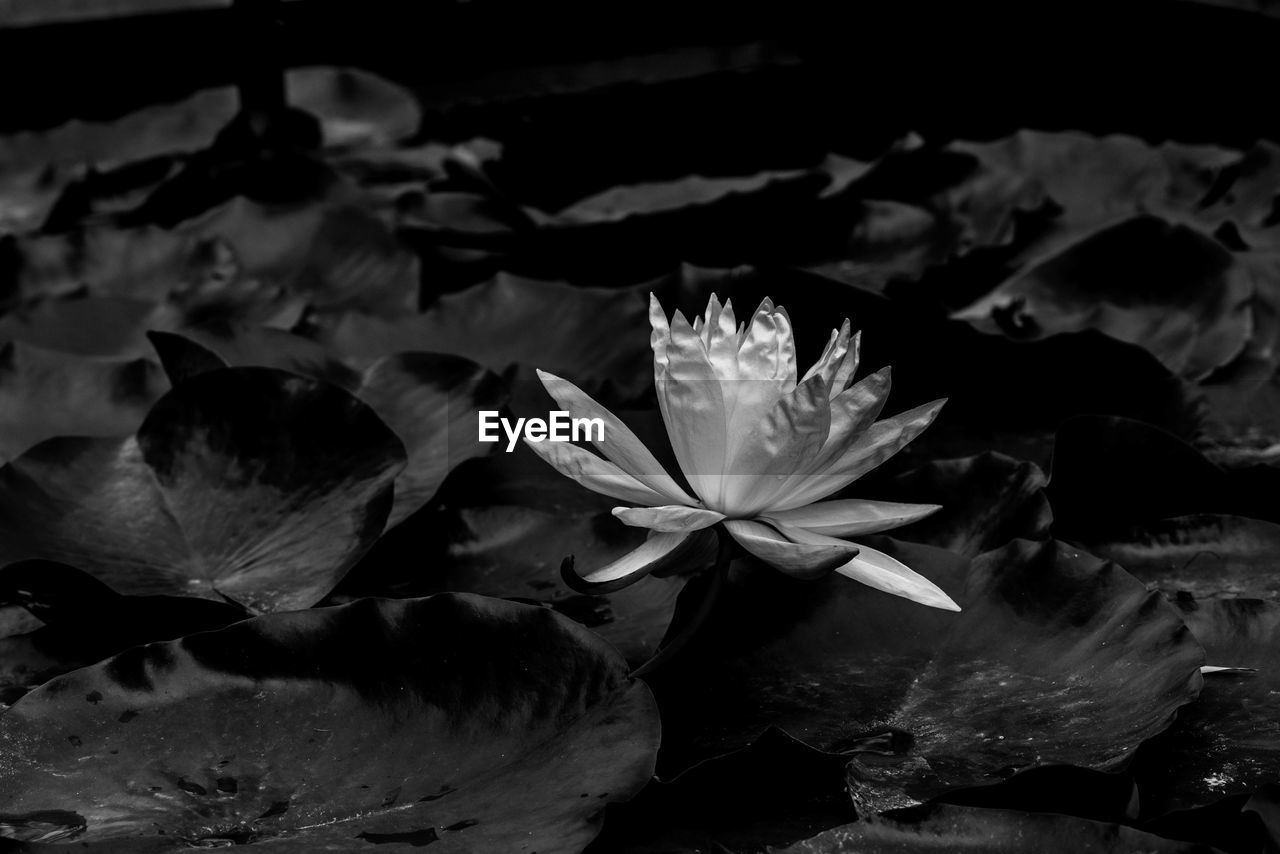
<point>503,527</point>
<point>1056,657</point>
<point>987,500</point>
<point>1228,741</point>
<point>1207,556</point>
<point>430,400</point>
<point>45,394</point>
<point>588,335</point>
<point>487,725</point>
<point>952,828</point>
<point>247,483</point>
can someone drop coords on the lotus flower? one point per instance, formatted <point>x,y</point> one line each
<point>759,449</point>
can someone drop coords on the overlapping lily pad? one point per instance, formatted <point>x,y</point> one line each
<point>1056,657</point>
<point>952,828</point>
<point>478,724</point>
<point>430,400</point>
<point>1228,741</point>
<point>245,483</point>
<point>987,500</point>
<point>44,394</point>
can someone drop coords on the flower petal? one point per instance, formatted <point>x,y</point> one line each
<point>595,474</point>
<point>674,518</point>
<point>839,360</point>
<point>852,517</point>
<point>659,553</point>
<point>876,569</point>
<point>659,335</point>
<point>770,448</point>
<point>871,448</point>
<point>692,403</point>
<point>618,444</point>
<point>853,411</point>
<point>797,559</point>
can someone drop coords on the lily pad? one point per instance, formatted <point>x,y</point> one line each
<point>1228,741</point>
<point>1055,657</point>
<point>952,828</point>
<point>355,107</point>
<point>430,400</point>
<point>1168,288</point>
<point>502,528</point>
<point>483,725</point>
<point>593,335</point>
<point>1207,556</point>
<point>246,483</point>
<point>987,500</point>
<point>44,394</point>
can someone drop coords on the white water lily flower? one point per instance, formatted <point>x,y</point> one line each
<point>759,449</point>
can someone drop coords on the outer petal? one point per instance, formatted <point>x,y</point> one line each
<point>853,411</point>
<point>692,402</point>
<point>619,445</point>
<point>595,474</point>
<point>852,517</point>
<point>771,448</point>
<point>661,552</point>
<point>880,442</point>
<point>672,518</point>
<point>660,333</point>
<point>839,360</point>
<point>876,569</point>
<point>797,559</point>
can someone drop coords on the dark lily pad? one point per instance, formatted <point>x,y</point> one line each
<point>502,528</point>
<point>1168,288</point>
<point>45,394</point>
<point>1056,657</point>
<point>987,500</point>
<point>430,400</point>
<point>952,828</point>
<point>775,791</point>
<point>1208,556</point>
<point>246,483</point>
<point>1110,475</point>
<point>355,107</point>
<point>78,620</point>
<point>1228,741</point>
<point>589,335</point>
<point>481,724</point>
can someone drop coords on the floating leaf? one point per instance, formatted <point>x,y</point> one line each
<point>591,335</point>
<point>430,400</point>
<point>45,394</point>
<point>986,500</point>
<point>481,724</point>
<point>952,828</point>
<point>1167,288</point>
<point>1228,741</point>
<point>1207,556</point>
<point>246,483</point>
<point>1056,657</point>
<point>355,107</point>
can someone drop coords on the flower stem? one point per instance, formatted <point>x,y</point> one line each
<point>710,596</point>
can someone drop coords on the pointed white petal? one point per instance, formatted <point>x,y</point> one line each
<point>675,518</point>
<point>769,449</point>
<point>849,518</point>
<point>876,569</point>
<point>595,474</point>
<point>660,552</point>
<point>692,402</point>
<point>871,448</point>
<point>797,559</point>
<point>619,444</point>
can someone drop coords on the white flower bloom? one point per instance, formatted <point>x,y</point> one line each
<point>758,448</point>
